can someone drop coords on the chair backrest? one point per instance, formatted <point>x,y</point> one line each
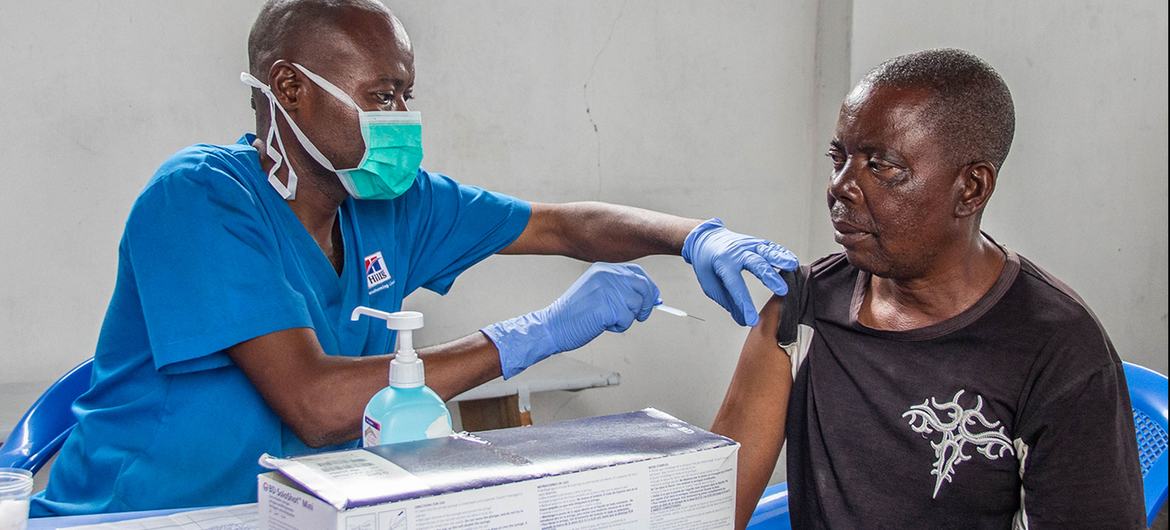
<point>772,511</point>
<point>1147,394</point>
<point>41,431</point>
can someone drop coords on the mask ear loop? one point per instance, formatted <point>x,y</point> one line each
<point>329,87</point>
<point>277,154</point>
<point>301,137</point>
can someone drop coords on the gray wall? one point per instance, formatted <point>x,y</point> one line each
<point>696,108</point>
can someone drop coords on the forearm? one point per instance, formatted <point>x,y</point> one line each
<point>333,401</point>
<point>451,369</point>
<point>322,397</point>
<point>596,231</point>
<point>754,410</point>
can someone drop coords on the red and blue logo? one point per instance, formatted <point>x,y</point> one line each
<point>376,272</point>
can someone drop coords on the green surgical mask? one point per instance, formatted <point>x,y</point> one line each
<point>393,142</point>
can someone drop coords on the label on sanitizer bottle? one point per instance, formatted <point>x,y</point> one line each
<point>371,432</point>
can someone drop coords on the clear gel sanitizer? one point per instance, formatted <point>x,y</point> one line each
<point>406,410</point>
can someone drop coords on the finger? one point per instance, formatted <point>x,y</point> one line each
<point>713,287</point>
<point>633,268</point>
<point>778,256</point>
<point>624,320</point>
<point>650,298</point>
<point>647,291</point>
<point>641,298</point>
<point>716,292</point>
<point>654,299</point>
<point>766,273</point>
<point>740,297</point>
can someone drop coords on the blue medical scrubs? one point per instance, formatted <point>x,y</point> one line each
<point>212,256</point>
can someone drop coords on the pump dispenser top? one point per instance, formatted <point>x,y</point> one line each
<point>406,370</point>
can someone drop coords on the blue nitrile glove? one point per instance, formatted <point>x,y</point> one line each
<point>720,256</point>
<point>608,297</point>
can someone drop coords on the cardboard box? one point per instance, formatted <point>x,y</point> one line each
<point>637,470</point>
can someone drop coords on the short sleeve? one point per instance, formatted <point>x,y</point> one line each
<point>1078,455</point>
<point>206,268</point>
<point>455,226</point>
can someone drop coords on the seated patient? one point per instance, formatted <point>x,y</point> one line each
<point>939,379</point>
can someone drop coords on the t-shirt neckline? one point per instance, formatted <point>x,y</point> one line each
<point>1007,276</point>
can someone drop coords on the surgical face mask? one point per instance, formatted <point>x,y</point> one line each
<point>392,155</point>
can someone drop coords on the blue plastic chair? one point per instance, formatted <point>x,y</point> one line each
<point>41,431</point>
<point>772,512</point>
<point>1147,394</point>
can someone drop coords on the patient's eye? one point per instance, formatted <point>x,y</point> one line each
<point>837,157</point>
<point>884,169</point>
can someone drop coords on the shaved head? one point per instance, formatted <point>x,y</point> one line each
<point>285,28</point>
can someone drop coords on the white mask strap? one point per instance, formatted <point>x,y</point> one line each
<point>307,144</point>
<point>277,155</point>
<point>329,87</point>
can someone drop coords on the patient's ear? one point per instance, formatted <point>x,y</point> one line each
<point>974,186</point>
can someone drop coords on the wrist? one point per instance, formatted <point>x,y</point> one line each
<point>696,235</point>
<point>521,342</point>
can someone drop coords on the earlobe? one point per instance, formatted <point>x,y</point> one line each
<point>976,184</point>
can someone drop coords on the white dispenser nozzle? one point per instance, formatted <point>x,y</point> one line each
<point>406,370</point>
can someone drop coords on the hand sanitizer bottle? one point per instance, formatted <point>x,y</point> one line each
<point>406,410</point>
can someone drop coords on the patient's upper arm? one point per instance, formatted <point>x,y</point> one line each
<point>754,410</point>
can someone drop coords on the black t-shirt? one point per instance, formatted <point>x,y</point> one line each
<point>1013,413</point>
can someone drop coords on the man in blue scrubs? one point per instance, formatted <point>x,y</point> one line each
<point>228,334</point>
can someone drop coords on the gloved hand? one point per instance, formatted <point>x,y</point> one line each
<point>608,297</point>
<point>719,257</point>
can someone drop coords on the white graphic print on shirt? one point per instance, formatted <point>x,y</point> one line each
<point>957,433</point>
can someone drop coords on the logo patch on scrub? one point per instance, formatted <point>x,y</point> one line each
<point>376,271</point>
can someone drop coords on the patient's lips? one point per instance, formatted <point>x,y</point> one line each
<point>847,233</point>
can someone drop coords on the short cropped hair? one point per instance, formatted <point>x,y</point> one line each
<point>284,25</point>
<point>971,108</point>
